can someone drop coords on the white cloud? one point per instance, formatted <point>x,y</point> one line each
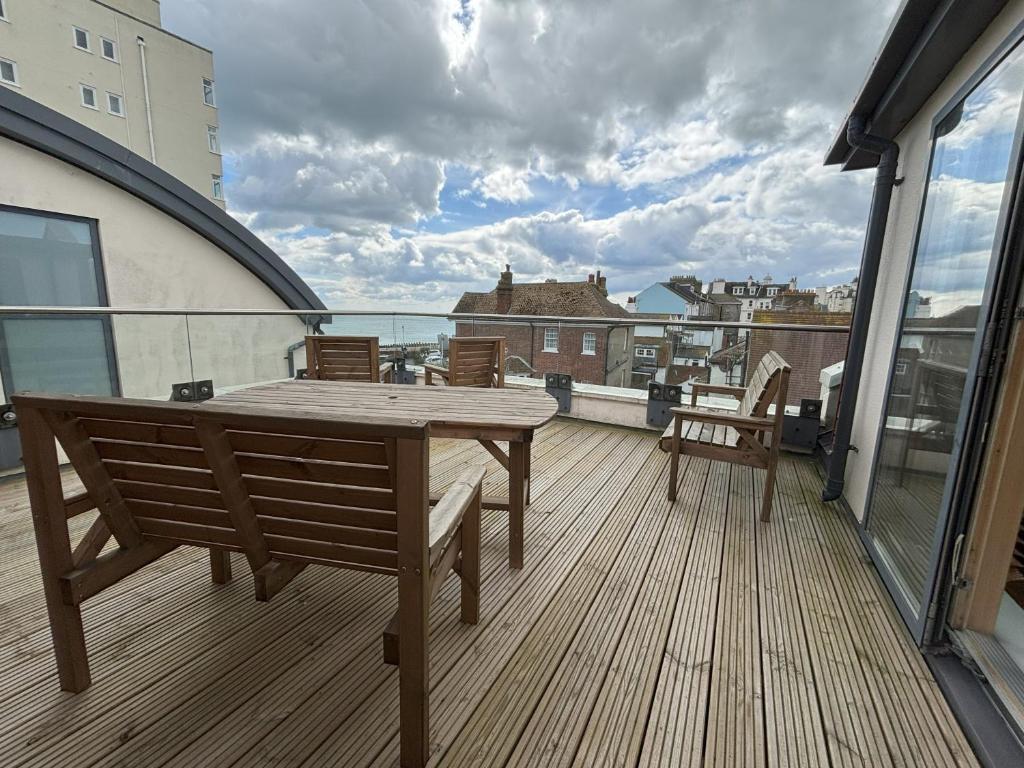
<point>712,116</point>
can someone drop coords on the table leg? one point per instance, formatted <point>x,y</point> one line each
<point>529,445</point>
<point>516,501</point>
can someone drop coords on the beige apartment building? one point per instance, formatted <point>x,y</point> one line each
<point>110,66</point>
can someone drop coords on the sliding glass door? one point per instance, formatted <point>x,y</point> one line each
<point>946,307</point>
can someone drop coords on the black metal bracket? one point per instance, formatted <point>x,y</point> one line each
<point>559,386</point>
<point>192,391</point>
<point>8,418</point>
<point>661,398</point>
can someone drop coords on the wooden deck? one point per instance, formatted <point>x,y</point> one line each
<point>638,634</point>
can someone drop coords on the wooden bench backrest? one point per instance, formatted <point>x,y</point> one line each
<point>300,487</point>
<point>476,361</point>
<point>764,386</point>
<point>343,358</point>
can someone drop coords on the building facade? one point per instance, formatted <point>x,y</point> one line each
<point>933,475</point>
<point>590,353</point>
<point>82,224</point>
<point>111,66</point>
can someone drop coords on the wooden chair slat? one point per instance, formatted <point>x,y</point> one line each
<point>343,358</point>
<point>473,361</point>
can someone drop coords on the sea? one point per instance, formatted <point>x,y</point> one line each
<point>399,330</point>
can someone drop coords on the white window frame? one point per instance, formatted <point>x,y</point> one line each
<point>589,336</point>
<point>737,290</point>
<point>113,44</point>
<point>16,82</point>
<point>120,100</point>
<point>772,291</point>
<point>74,39</point>
<point>217,187</point>
<point>900,367</point>
<point>213,138</point>
<point>213,92</point>
<point>547,333</point>
<point>82,87</point>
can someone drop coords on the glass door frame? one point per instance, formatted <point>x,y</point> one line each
<point>922,623</point>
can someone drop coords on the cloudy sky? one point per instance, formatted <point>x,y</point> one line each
<point>399,152</point>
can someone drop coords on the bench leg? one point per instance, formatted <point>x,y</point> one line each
<point>220,566</point>
<point>769,490</point>
<point>413,678</point>
<point>673,473</point>
<point>469,570</point>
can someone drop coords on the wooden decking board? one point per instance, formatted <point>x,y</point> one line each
<point>637,634</point>
<point>511,699</point>
<point>897,671</point>
<point>559,718</point>
<point>615,732</point>
<point>735,733</point>
<point>676,728</point>
<point>330,669</point>
<point>795,735</point>
<point>292,741</point>
<point>590,500</point>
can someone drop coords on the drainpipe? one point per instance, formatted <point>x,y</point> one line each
<point>885,179</point>
<point>145,93</point>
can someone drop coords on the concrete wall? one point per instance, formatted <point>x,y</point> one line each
<point>904,213</point>
<point>151,260</point>
<point>50,70</point>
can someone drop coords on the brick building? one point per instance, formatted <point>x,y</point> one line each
<point>807,352</point>
<point>590,353</point>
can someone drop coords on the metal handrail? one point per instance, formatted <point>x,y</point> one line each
<point>452,316</point>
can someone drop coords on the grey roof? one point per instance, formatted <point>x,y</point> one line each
<point>924,42</point>
<point>30,123</point>
<point>685,292</point>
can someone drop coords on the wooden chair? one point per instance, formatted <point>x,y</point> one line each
<point>473,361</point>
<point>737,437</point>
<point>345,358</point>
<point>287,491</point>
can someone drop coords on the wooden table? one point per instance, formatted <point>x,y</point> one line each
<point>485,415</point>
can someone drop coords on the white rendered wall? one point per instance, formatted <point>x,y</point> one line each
<point>151,260</point>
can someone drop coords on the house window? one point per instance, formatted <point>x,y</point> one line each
<point>737,290</point>
<point>115,104</point>
<point>901,367</point>
<point>772,291</point>
<point>81,39</point>
<point>213,138</point>
<point>218,187</point>
<point>589,343</point>
<point>88,96</point>
<point>8,72</point>
<point>54,261</point>
<point>108,48</point>
<point>209,95</point>
<point>550,339</point>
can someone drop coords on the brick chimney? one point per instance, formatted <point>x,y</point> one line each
<point>504,292</point>
<point>590,278</point>
<point>602,283</point>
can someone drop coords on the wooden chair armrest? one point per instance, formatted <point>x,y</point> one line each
<point>719,389</point>
<point>429,370</point>
<point>725,419</point>
<point>385,372</point>
<point>446,516</point>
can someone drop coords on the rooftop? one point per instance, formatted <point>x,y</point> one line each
<point>574,299</point>
<point>638,633</point>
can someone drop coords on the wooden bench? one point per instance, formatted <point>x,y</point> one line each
<point>345,358</point>
<point>737,437</point>
<point>473,361</point>
<point>287,490</point>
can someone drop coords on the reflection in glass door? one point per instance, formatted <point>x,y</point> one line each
<point>945,309</point>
